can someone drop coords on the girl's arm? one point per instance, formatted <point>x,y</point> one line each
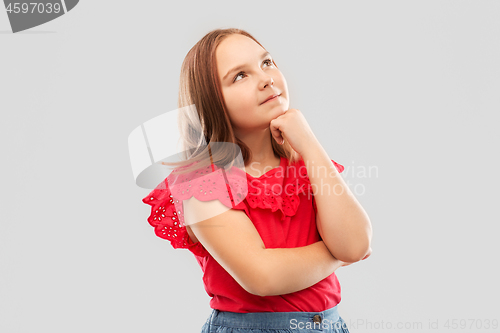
<point>232,240</point>
<point>294,269</point>
<point>342,223</point>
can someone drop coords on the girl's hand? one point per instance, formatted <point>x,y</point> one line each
<point>293,127</point>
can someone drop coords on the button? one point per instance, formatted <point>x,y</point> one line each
<point>317,319</point>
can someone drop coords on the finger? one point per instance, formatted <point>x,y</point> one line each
<point>280,140</point>
<point>275,132</point>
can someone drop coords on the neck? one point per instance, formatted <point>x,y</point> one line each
<point>260,145</point>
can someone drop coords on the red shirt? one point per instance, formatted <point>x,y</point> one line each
<point>281,206</point>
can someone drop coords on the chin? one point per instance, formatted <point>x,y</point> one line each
<point>283,108</point>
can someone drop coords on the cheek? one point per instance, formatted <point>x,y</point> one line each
<point>284,88</point>
<point>283,82</point>
<point>237,102</point>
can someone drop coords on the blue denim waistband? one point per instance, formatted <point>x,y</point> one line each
<point>274,320</point>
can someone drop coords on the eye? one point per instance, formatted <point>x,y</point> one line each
<point>269,62</point>
<point>237,75</point>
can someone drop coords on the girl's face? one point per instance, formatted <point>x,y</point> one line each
<point>248,78</point>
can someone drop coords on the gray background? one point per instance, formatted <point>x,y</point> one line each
<point>410,88</point>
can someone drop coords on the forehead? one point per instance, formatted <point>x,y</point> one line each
<point>236,50</point>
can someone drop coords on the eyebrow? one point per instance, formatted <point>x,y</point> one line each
<point>237,68</point>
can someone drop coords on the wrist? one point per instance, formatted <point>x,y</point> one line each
<point>313,147</point>
<point>313,152</point>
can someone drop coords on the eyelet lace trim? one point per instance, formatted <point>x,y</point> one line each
<point>167,215</point>
<point>261,196</point>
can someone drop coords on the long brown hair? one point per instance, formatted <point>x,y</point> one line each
<point>200,86</point>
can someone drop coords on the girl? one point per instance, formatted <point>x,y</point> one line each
<point>268,262</point>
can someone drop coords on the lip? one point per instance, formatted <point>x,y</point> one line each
<point>271,98</point>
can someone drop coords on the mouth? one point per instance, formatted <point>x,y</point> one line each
<point>271,98</point>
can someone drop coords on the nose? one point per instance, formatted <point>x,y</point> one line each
<point>267,81</point>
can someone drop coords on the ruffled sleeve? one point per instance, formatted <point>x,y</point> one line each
<point>340,168</point>
<point>167,216</point>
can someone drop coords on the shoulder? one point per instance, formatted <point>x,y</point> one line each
<point>194,196</point>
